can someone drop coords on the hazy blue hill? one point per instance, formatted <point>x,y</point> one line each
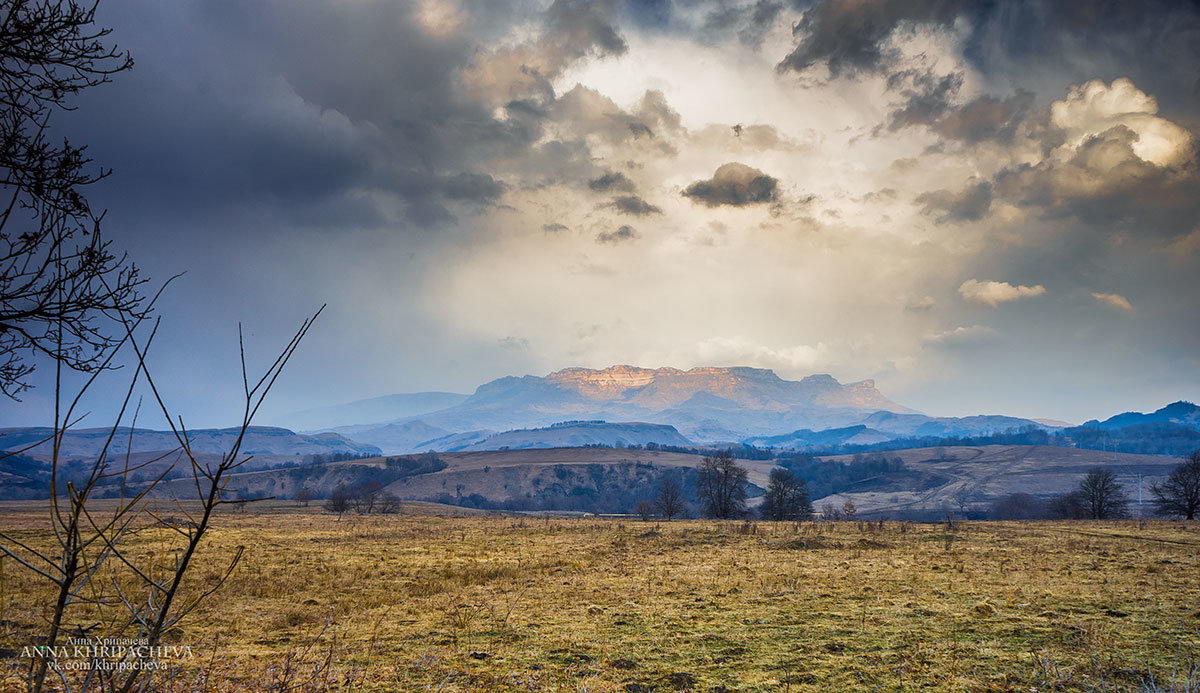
<point>919,425</point>
<point>394,438</point>
<point>88,442</point>
<point>455,441</point>
<point>973,425</point>
<point>854,435</point>
<point>1183,413</point>
<point>582,434</point>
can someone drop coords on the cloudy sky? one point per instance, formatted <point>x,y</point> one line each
<point>987,207</point>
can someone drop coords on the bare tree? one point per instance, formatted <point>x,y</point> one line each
<point>387,503</point>
<point>1069,506</point>
<point>644,509</point>
<point>83,539</point>
<point>366,497</point>
<point>1179,493</point>
<point>786,497</point>
<point>63,289</point>
<point>154,615</point>
<point>339,500</point>
<point>964,496</point>
<point>1102,495</point>
<point>1017,506</point>
<point>721,486</point>
<point>91,542</point>
<point>304,495</point>
<point>669,499</point>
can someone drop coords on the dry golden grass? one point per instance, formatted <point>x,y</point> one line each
<point>485,603</point>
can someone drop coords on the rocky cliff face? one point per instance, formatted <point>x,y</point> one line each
<point>759,388</point>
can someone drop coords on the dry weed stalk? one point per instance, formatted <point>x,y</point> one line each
<point>88,543</point>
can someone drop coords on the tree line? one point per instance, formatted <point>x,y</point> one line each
<point>1100,496</point>
<point>721,493</point>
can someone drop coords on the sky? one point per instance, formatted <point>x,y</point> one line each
<point>986,207</point>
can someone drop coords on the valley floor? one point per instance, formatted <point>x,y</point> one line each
<point>483,603</point>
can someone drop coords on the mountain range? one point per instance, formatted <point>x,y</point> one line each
<point>622,406</point>
<point>703,405</point>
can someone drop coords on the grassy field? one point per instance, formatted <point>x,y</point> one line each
<point>456,603</point>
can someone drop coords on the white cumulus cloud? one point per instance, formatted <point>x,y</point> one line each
<point>1092,108</point>
<point>994,293</point>
<point>1114,300</point>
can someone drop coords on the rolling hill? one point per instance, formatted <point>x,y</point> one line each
<point>1183,413</point>
<point>987,473</point>
<point>575,434</point>
<point>264,440</point>
<point>924,486</point>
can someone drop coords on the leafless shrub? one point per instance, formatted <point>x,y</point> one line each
<point>152,603</point>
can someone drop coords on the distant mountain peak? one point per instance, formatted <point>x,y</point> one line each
<point>1181,412</point>
<point>821,379</point>
<point>658,389</point>
<point>1180,408</point>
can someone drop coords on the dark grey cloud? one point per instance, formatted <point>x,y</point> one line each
<point>586,26</point>
<point>750,22</point>
<point>614,181</point>
<point>736,185</point>
<point>927,97</point>
<point>622,234</point>
<point>971,203</point>
<point>986,118</point>
<point>245,116</point>
<point>1043,45</point>
<point>472,187</point>
<point>655,14</point>
<point>849,35</point>
<point>1156,43</point>
<point>634,205</point>
<point>929,101</point>
<point>373,126</point>
<point>554,227</point>
<point>638,129</point>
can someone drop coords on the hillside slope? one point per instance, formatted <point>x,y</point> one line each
<point>990,472</point>
<point>88,442</point>
<point>612,480</point>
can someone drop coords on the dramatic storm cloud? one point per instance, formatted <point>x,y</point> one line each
<point>985,207</point>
